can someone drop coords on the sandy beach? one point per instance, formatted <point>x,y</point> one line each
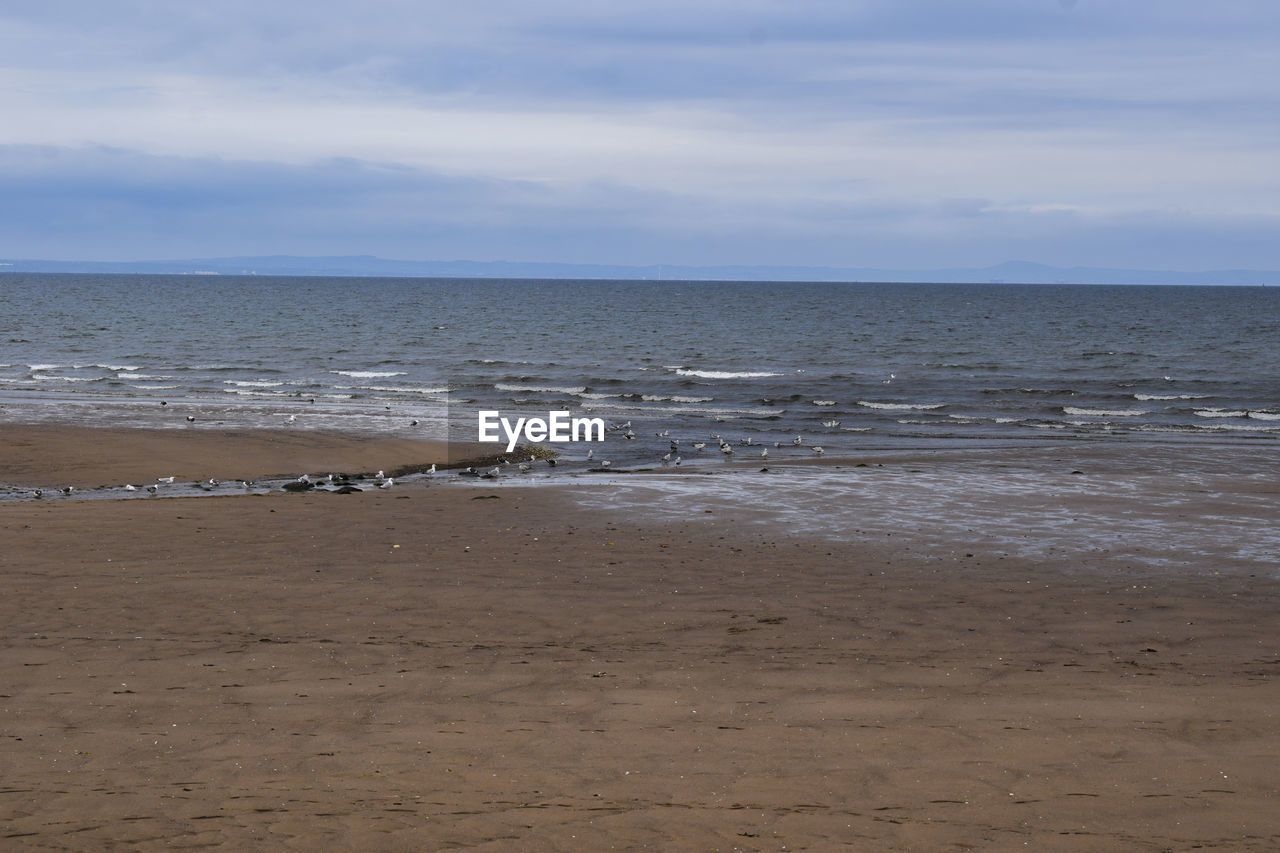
<point>434,668</point>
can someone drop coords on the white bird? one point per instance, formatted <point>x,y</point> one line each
<point>764,454</point>
<point>292,419</point>
<point>605,463</point>
<point>130,488</point>
<point>432,469</point>
<point>164,479</point>
<point>591,454</point>
<point>698,445</point>
<point>726,450</point>
<point>831,424</point>
<point>677,460</point>
<point>387,483</point>
<point>798,440</point>
<point>818,450</point>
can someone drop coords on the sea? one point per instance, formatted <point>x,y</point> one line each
<point>772,371</point>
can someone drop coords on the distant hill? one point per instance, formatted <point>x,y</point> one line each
<point>1023,272</point>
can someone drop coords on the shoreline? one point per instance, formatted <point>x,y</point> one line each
<point>505,668</point>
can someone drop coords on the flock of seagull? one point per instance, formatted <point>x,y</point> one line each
<point>347,484</point>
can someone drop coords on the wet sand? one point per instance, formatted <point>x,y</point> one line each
<point>436,668</point>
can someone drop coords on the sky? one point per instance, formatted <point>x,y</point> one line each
<point>907,134</point>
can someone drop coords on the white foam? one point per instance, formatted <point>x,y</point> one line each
<point>701,410</point>
<point>1220,413</point>
<point>725,374</point>
<point>154,387</point>
<point>259,383</point>
<point>1171,396</point>
<point>251,392</point>
<point>369,374</point>
<point>900,407</point>
<point>1265,416</point>
<point>35,367</point>
<point>654,398</point>
<point>1104,413</point>
<point>389,390</point>
<point>545,389</point>
<point>824,402</point>
<point>77,378</point>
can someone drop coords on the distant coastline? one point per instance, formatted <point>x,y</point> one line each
<point>1012,272</point>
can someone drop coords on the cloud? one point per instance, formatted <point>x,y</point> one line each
<point>778,122</point>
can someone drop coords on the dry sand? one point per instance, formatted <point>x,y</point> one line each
<point>433,668</point>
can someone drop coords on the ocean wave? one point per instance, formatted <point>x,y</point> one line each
<point>76,378</point>
<point>1265,416</point>
<point>901,407</point>
<point>369,374</point>
<point>540,389</point>
<point>725,374</point>
<point>824,402</point>
<point>1146,397</point>
<point>154,387</point>
<point>1237,428</point>
<point>1104,413</point>
<point>258,383</point>
<point>35,367</point>
<point>152,376</point>
<point>655,398</point>
<point>685,410</point>
<point>1221,413</point>
<point>385,389</point>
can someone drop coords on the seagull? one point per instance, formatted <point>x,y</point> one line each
<point>818,450</point>
<point>831,424</point>
<point>68,490</point>
<point>591,454</point>
<point>677,460</point>
<point>726,450</point>
<point>698,445</point>
<point>292,419</point>
<point>153,489</point>
<point>764,454</point>
<point>191,419</point>
<point>413,423</point>
<point>605,463</point>
<point>798,440</point>
<point>164,479</point>
<point>38,494</point>
<point>387,483</point>
<point>432,469</point>
<point>130,488</point>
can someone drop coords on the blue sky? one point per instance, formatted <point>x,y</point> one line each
<point>883,133</point>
